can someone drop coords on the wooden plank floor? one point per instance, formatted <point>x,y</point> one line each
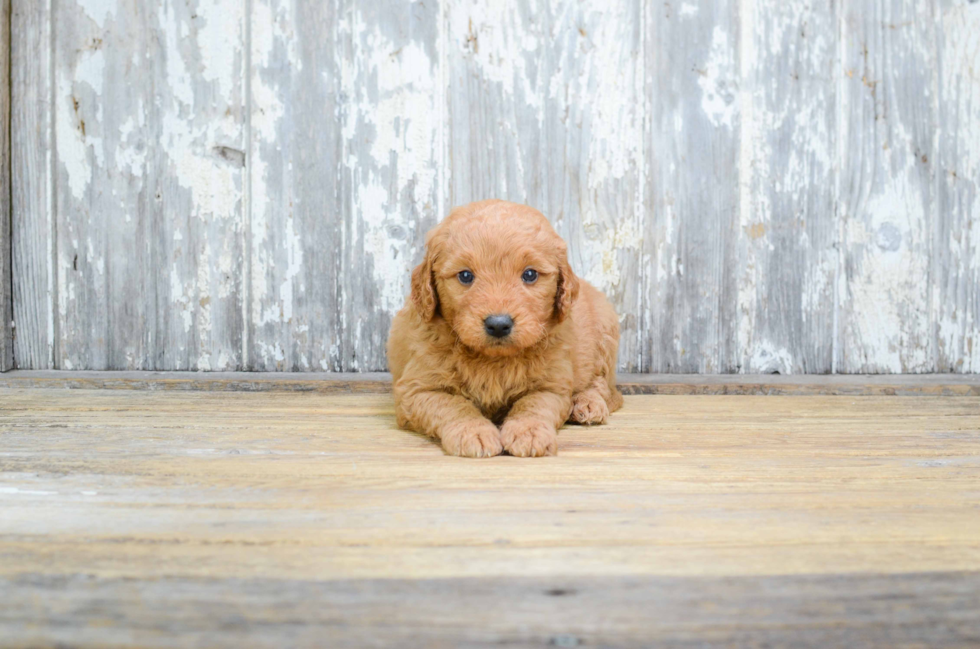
<point>273,519</point>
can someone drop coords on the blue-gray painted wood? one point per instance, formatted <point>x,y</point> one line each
<point>787,176</point>
<point>887,199</point>
<point>32,196</point>
<point>690,290</point>
<point>956,257</point>
<point>6,305</point>
<point>758,185</point>
<point>293,269</point>
<point>149,133</point>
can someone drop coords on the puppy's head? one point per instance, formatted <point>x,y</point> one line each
<point>498,274</point>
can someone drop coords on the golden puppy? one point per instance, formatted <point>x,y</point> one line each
<point>498,330</point>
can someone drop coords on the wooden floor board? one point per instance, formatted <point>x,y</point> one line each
<point>882,611</point>
<point>194,518</point>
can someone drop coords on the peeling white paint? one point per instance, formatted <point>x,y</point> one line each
<point>753,204</point>
<point>79,151</point>
<point>888,284</point>
<point>214,185</point>
<point>179,297</point>
<point>768,359</point>
<point>130,154</point>
<point>493,34</point>
<point>203,308</point>
<point>888,208</point>
<point>718,80</point>
<point>571,75</point>
<point>294,261</point>
<point>222,22</point>
<point>608,80</point>
<point>785,172</point>
<point>957,303</point>
<point>178,80</point>
<point>267,111</point>
<point>98,10</point>
<point>198,102</point>
<point>393,114</point>
<point>270,29</point>
<point>688,9</point>
<point>602,264</point>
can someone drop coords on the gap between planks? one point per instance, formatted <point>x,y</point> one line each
<point>380,382</point>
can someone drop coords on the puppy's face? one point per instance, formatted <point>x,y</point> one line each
<point>498,274</point>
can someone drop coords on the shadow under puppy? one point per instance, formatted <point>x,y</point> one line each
<point>499,331</point>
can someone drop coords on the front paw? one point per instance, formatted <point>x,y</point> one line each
<point>472,439</point>
<point>529,438</point>
<point>589,408</point>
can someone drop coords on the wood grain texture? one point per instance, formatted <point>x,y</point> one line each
<point>198,217</point>
<point>296,223</point>
<point>281,517</point>
<point>888,192</point>
<point>32,189</point>
<point>6,283</point>
<point>690,282</point>
<point>926,610</point>
<point>957,248</point>
<point>758,185</point>
<point>345,136</point>
<point>787,234</point>
<point>545,106</point>
<point>393,163</point>
<point>149,157</point>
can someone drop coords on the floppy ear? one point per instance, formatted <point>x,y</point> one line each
<point>424,295</point>
<point>567,287</point>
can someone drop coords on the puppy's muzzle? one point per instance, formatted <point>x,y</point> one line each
<point>498,326</point>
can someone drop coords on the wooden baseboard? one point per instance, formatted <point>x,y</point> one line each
<point>678,384</point>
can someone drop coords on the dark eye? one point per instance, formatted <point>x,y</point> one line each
<point>465,277</point>
<point>530,276</point>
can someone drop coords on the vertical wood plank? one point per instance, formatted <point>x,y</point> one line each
<point>148,109</point>
<point>887,191</point>
<point>32,207</point>
<point>498,62</point>
<point>546,109</point>
<point>297,208</point>
<point>392,162</point>
<point>787,235</point>
<point>692,192</point>
<point>957,250</point>
<point>98,180</point>
<point>198,202</point>
<point>346,134</point>
<point>6,311</point>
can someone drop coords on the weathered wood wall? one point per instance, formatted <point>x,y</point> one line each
<point>6,312</point>
<point>759,185</point>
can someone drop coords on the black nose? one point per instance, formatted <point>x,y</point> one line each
<point>498,326</point>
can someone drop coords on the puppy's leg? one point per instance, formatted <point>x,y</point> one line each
<point>591,406</point>
<point>531,427</point>
<point>452,419</point>
<point>609,348</point>
<point>615,399</point>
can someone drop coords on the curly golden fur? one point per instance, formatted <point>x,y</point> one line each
<point>458,376</point>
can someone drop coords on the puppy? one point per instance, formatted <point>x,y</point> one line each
<point>499,331</point>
